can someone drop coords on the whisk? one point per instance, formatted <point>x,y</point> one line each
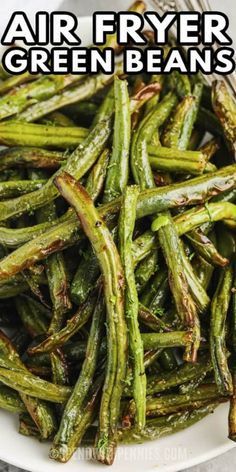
<point>199,6</point>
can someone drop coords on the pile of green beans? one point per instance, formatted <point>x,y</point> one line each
<point>117,265</point>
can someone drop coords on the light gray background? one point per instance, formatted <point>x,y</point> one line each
<point>226,462</point>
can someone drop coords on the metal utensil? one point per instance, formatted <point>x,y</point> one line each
<point>199,6</point>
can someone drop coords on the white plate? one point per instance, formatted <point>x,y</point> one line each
<point>201,442</point>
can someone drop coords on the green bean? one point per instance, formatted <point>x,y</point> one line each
<point>206,97</point>
<point>225,239</point>
<point>74,410</point>
<point>34,277</point>
<point>152,102</point>
<point>173,403</point>
<point>147,242</point>
<point>31,157</point>
<point>106,108</point>
<point>173,129</point>
<point>139,161</point>
<point>73,325</point>
<point>185,306</point>
<point>59,294</point>
<point>83,423</point>
<point>73,352</point>
<point>170,154</point>
<point>77,164</point>
<point>10,360</point>
<point>8,316</point>
<point>143,245</point>
<point>196,138</point>
<point>86,275</point>
<point>209,122</point>
<point>59,234</point>
<point>177,133</point>
<point>219,309</point>
<point>146,268</point>
<point>181,83</point>
<point>14,237</point>
<point>203,270</point>
<point>57,118</point>
<point>34,386</point>
<point>9,357</point>
<point>56,276</point>
<point>88,269</point>
<point>79,92</point>
<point>168,360</point>
<point>40,411</point>
<point>158,427</point>
<point>196,290</point>
<point>233,312</point>
<point>118,170</point>
<point>45,87</point>
<point>198,293</point>
<point>96,178</point>
<point>126,228</point>
<point>31,315</point>
<point>15,188</point>
<point>210,148</point>
<point>13,133</point>
<point>205,247</point>
<point>164,340</point>
<point>111,42</point>
<point>150,201</point>
<point>182,375</point>
<point>191,386</point>
<point>178,166</point>
<point>117,338</point>
<point>14,81</point>
<point>161,296</point>
<point>149,341</point>
<point>143,96</point>
<point>10,400</point>
<point>27,427</point>
<point>82,112</point>
<point>150,258</point>
<point>60,374</point>
<point>225,108</point>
